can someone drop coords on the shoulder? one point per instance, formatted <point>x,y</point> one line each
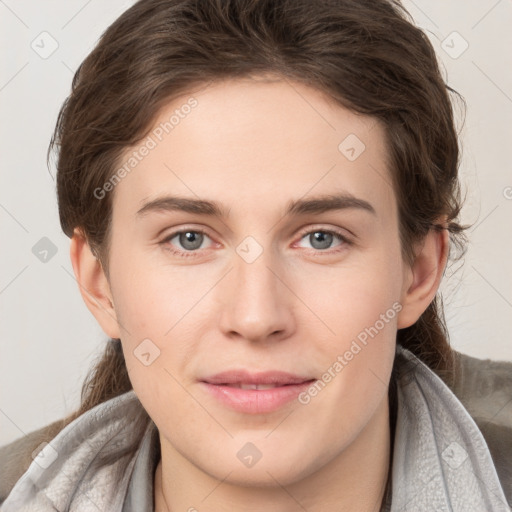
<point>98,439</point>
<point>16,457</point>
<point>484,386</point>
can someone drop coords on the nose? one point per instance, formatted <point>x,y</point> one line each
<point>257,303</point>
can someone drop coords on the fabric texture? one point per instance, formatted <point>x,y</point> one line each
<point>440,458</point>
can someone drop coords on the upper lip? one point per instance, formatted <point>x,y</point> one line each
<point>245,377</point>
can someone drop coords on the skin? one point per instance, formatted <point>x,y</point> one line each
<point>253,146</point>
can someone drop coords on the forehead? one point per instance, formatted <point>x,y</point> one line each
<point>245,141</point>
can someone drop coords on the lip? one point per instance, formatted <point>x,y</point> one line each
<point>244,376</point>
<point>223,386</point>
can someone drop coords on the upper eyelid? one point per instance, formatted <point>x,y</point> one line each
<point>336,231</point>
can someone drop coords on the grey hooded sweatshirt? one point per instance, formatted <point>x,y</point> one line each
<point>440,458</point>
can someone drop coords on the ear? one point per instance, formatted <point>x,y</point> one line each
<point>423,278</point>
<point>93,284</point>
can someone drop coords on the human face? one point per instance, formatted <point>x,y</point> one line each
<point>259,291</point>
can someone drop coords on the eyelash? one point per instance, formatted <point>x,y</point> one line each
<point>187,254</point>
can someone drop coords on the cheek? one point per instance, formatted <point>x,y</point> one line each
<point>345,300</point>
<point>157,308</point>
<point>152,298</point>
<point>356,361</point>
<point>358,307</point>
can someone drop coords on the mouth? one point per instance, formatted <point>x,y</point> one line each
<point>259,393</point>
<point>241,385</point>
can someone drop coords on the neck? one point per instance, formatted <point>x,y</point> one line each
<point>354,480</point>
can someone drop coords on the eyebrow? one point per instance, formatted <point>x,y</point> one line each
<point>315,205</point>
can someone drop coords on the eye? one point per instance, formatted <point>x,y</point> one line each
<point>189,239</point>
<point>322,239</point>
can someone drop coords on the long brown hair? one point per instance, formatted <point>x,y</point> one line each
<point>366,54</point>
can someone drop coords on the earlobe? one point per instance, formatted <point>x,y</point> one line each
<point>424,277</point>
<point>93,284</point>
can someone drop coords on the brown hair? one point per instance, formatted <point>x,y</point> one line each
<point>365,54</point>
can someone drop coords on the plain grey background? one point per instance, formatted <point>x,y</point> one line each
<point>48,338</point>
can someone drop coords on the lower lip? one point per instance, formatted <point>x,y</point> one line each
<point>256,401</point>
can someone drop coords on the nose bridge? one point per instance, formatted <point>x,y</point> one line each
<point>258,302</point>
<point>255,278</point>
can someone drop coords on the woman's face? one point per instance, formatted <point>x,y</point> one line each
<point>297,269</point>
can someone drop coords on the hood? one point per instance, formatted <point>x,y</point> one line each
<point>440,458</point>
